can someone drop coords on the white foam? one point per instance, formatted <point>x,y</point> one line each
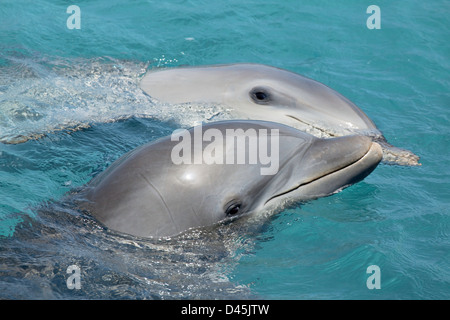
<point>41,96</point>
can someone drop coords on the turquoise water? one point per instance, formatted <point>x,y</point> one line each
<point>52,77</point>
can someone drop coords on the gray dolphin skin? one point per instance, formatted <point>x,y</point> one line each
<point>148,192</point>
<point>260,92</point>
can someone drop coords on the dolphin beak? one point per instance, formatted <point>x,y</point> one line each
<point>348,159</point>
<point>330,165</point>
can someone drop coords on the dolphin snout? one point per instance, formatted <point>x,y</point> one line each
<point>329,165</point>
<point>341,161</point>
<point>336,153</point>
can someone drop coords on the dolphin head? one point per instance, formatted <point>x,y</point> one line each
<point>221,170</point>
<point>261,92</point>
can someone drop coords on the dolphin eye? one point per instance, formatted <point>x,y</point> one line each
<point>233,209</point>
<point>260,95</point>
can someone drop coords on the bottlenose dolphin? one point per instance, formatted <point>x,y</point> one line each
<point>149,192</point>
<point>260,92</point>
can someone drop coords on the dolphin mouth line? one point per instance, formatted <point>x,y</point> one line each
<point>312,126</point>
<point>370,150</point>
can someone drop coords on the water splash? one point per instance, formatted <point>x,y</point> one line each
<point>39,96</point>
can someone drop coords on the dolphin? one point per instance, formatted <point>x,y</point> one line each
<point>260,92</point>
<point>149,192</point>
